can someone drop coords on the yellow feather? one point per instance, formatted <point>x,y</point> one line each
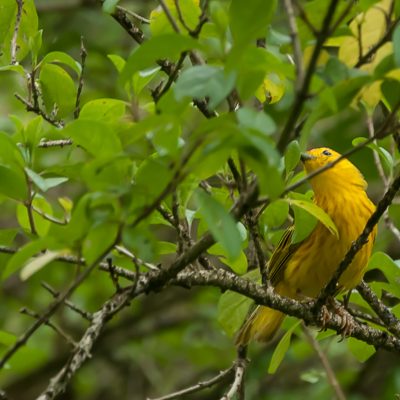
<point>302,270</point>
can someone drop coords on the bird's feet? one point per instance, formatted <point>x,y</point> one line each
<point>334,307</point>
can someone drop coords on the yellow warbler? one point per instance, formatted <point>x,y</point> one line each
<point>301,270</point>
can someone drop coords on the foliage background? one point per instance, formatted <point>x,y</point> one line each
<point>173,338</point>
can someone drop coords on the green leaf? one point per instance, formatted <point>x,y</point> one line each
<point>221,224</point>
<point>249,20</point>
<point>205,81</point>
<point>189,10</point>
<point>96,137</point>
<point>316,212</point>
<point>109,6</point>
<point>42,225</point>
<point>27,28</point>
<point>19,259</point>
<point>100,238</point>
<point>390,269</point>
<point>233,307</point>
<point>256,120</point>
<point>159,47</point>
<point>35,44</point>
<point>276,213</point>
<point>391,91</point>
<point>106,110</point>
<point>361,350</point>
<point>37,263</point>
<point>60,57</point>
<point>292,155</point>
<point>239,265</point>
<point>10,154</point>
<point>396,45</point>
<point>281,349</point>
<point>7,339</point>
<point>232,310</point>
<point>12,183</point>
<point>58,89</point>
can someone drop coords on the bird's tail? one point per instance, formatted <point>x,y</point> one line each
<point>261,326</point>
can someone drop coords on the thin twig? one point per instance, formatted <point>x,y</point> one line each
<point>304,18</point>
<point>169,16</point>
<point>68,303</point>
<point>48,217</point>
<point>302,93</point>
<point>53,307</point>
<point>51,325</point>
<point>80,84</point>
<point>180,17</point>
<point>365,58</point>
<point>14,44</point>
<point>223,375</point>
<point>134,15</point>
<point>386,218</point>
<point>29,107</point>
<point>297,52</point>
<point>330,374</point>
<point>28,205</point>
<point>384,313</point>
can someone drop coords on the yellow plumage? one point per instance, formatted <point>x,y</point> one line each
<point>303,269</point>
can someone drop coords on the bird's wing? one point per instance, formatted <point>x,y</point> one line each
<point>284,250</point>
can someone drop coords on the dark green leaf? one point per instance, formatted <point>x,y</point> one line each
<point>292,155</point>
<point>205,81</point>
<point>249,20</point>
<point>276,213</point>
<point>12,183</point>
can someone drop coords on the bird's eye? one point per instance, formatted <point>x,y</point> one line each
<point>326,153</point>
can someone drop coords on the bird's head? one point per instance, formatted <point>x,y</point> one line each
<point>343,174</point>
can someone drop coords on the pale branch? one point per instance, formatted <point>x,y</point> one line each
<point>144,283</point>
<point>384,313</point>
<point>302,93</point>
<point>226,280</point>
<point>55,143</point>
<point>14,43</point>
<point>330,374</point>
<point>356,246</point>
<point>222,376</point>
<point>237,385</point>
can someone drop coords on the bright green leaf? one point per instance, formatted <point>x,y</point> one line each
<point>221,224</point>
<point>281,349</point>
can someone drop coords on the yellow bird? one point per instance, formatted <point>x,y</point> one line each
<point>301,270</point>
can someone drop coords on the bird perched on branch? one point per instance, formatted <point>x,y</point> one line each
<point>302,269</point>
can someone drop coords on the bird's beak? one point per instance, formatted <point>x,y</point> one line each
<point>305,157</point>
